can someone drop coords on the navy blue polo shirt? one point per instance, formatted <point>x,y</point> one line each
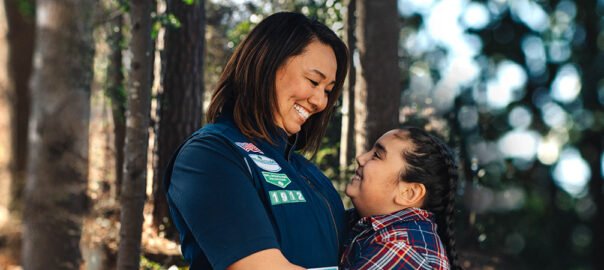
<point>230,197</point>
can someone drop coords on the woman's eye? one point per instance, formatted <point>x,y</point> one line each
<point>327,92</point>
<point>375,155</point>
<point>313,82</point>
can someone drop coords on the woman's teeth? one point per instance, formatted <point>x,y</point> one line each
<point>301,111</point>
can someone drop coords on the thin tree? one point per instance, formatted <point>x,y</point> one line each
<point>117,94</point>
<point>55,191</point>
<point>133,194</point>
<point>180,102</point>
<point>5,85</point>
<point>377,86</point>
<point>20,16</point>
<point>347,136</point>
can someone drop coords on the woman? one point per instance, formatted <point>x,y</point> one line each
<point>239,194</point>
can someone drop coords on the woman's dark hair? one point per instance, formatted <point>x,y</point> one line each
<point>431,163</point>
<point>248,79</point>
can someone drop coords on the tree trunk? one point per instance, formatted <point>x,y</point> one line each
<point>137,136</point>
<point>21,45</point>
<point>5,145</point>
<point>347,153</point>
<point>55,192</point>
<point>377,86</point>
<point>116,92</point>
<point>180,103</point>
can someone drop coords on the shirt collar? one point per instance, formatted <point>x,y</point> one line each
<point>379,222</point>
<point>282,142</point>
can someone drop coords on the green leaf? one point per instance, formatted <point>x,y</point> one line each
<point>27,8</point>
<point>173,21</point>
<point>155,29</point>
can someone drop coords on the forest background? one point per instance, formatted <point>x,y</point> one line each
<point>96,95</point>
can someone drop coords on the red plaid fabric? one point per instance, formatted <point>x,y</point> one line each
<point>407,239</point>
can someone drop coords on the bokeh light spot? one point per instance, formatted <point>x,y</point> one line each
<point>520,144</point>
<point>476,15</point>
<point>520,117</point>
<point>572,172</point>
<point>567,84</point>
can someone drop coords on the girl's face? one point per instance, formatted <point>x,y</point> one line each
<point>377,179</point>
<point>302,86</point>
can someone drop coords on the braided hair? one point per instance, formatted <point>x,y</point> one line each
<point>431,163</point>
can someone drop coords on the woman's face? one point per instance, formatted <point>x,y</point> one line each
<point>303,84</point>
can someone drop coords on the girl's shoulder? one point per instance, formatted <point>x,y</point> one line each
<point>408,231</point>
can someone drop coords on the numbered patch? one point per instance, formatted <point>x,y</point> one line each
<point>278,179</point>
<point>266,163</point>
<point>286,196</point>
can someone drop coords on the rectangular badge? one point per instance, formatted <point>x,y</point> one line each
<point>286,196</point>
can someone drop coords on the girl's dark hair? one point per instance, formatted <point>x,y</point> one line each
<point>431,163</point>
<point>248,79</point>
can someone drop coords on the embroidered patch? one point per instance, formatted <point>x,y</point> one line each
<point>266,163</point>
<point>249,147</point>
<point>278,179</point>
<point>286,196</point>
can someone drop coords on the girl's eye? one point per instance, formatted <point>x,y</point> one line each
<point>375,155</point>
<point>327,92</point>
<point>313,82</point>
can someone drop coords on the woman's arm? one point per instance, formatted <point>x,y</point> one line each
<point>263,260</point>
<point>215,200</point>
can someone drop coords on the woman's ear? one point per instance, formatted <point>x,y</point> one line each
<point>410,194</point>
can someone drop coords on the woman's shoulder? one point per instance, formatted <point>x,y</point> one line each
<point>221,133</point>
<point>212,140</point>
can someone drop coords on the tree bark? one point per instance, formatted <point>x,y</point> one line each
<point>347,153</point>
<point>5,145</point>
<point>117,94</point>
<point>180,103</point>
<point>377,86</point>
<point>137,136</point>
<point>21,46</point>
<point>55,191</point>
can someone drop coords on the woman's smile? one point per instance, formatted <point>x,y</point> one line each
<point>302,112</point>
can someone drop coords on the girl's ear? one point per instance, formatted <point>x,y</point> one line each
<point>410,194</point>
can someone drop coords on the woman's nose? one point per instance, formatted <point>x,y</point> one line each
<point>318,100</point>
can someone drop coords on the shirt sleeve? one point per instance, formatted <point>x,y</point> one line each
<point>389,255</point>
<point>212,190</point>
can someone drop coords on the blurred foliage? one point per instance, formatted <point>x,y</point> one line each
<point>163,20</point>
<point>513,206</point>
<point>149,265</point>
<point>27,8</point>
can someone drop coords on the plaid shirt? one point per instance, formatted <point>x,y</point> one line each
<point>404,240</point>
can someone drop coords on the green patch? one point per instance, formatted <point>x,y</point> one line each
<point>286,196</point>
<point>278,179</point>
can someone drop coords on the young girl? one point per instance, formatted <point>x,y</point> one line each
<point>404,191</point>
